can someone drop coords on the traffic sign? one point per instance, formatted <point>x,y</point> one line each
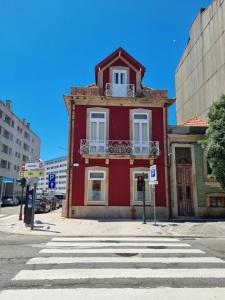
<point>31,174</point>
<point>51,184</point>
<point>51,177</point>
<point>31,166</point>
<point>153,174</point>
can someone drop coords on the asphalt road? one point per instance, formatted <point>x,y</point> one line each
<point>90,266</point>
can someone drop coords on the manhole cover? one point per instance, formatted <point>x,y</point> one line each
<point>156,247</point>
<point>126,254</point>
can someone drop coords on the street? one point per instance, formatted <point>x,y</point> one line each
<point>109,267</point>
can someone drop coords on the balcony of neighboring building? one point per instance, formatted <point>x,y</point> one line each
<point>119,148</point>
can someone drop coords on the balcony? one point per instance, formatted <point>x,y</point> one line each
<point>119,148</point>
<point>120,90</point>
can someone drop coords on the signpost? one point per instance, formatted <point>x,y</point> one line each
<point>153,181</point>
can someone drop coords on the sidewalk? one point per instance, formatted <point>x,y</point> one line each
<point>54,224</point>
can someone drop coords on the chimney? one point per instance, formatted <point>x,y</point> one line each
<point>8,104</point>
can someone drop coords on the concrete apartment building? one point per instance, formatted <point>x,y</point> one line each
<point>200,75</point>
<point>18,143</point>
<point>57,166</point>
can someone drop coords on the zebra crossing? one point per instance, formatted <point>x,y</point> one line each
<point>125,268</point>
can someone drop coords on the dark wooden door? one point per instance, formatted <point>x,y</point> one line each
<point>184,190</point>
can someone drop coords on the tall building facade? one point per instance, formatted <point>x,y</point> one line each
<point>117,130</point>
<point>18,144</point>
<point>200,75</point>
<point>57,166</point>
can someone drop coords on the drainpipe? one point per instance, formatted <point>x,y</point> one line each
<point>70,159</point>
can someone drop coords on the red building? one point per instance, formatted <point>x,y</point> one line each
<point>117,130</point>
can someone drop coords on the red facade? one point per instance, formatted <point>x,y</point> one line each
<point>117,130</point>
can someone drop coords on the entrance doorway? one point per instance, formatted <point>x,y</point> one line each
<point>184,181</point>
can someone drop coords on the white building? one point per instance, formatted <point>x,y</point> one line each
<point>57,166</point>
<point>18,144</point>
<point>200,75</point>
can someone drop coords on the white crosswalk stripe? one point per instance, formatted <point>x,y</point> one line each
<point>131,268</point>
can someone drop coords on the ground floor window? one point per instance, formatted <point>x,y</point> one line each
<point>96,186</point>
<point>137,195</point>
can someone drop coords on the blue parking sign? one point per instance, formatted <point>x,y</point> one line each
<point>51,177</point>
<point>51,181</point>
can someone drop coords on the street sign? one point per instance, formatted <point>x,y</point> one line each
<point>153,173</point>
<point>51,184</point>
<point>51,181</point>
<point>31,174</point>
<point>7,179</point>
<point>51,177</point>
<point>31,166</point>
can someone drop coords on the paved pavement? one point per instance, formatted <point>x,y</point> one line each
<point>122,267</point>
<point>55,225</point>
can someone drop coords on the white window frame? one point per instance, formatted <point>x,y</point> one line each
<point>142,145</point>
<point>88,178</point>
<point>99,145</point>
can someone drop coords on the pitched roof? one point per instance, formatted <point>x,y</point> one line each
<point>120,52</point>
<point>196,122</point>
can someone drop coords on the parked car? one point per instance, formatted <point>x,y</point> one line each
<point>60,199</point>
<point>10,201</point>
<point>42,205</point>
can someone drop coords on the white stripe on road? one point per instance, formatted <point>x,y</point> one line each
<point>60,274</point>
<point>112,250</point>
<point>125,239</point>
<point>114,244</point>
<point>8,217</point>
<point>88,260</point>
<point>119,294</point>
<point>2,215</point>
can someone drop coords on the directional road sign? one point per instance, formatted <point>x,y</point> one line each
<point>31,174</point>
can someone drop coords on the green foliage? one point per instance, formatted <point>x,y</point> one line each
<point>214,142</point>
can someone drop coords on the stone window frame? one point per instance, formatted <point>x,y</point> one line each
<point>132,112</point>
<point>94,169</point>
<point>88,118</point>
<point>132,172</point>
<point>218,194</point>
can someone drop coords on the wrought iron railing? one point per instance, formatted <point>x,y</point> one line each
<point>120,90</point>
<point>119,147</point>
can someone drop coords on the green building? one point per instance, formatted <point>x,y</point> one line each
<point>194,191</point>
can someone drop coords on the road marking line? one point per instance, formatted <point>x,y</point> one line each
<point>112,250</point>
<point>55,274</point>
<point>125,239</point>
<point>8,217</point>
<point>88,260</point>
<point>2,215</point>
<point>115,244</point>
<point>162,293</point>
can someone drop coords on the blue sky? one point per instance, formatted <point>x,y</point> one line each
<point>46,46</point>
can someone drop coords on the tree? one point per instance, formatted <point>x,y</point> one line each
<point>214,141</point>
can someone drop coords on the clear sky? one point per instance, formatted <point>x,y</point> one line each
<point>47,46</point>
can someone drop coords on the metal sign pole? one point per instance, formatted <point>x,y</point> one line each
<point>154,208</point>
<point>1,194</point>
<point>33,206</point>
<point>143,196</point>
